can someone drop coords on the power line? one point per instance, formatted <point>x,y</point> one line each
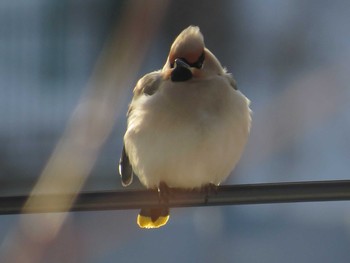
<point>311,191</point>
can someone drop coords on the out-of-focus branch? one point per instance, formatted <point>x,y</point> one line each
<point>91,123</point>
<point>223,195</point>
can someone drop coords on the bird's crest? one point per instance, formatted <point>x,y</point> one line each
<point>188,45</point>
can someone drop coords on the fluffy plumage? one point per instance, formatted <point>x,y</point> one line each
<point>187,123</point>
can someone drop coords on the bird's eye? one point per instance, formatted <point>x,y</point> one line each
<point>199,63</point>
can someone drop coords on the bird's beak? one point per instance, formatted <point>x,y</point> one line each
<point>181,72</point>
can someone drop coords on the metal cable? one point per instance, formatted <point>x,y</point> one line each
<point>223,195</point>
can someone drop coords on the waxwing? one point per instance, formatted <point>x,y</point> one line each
<point>187,124</point>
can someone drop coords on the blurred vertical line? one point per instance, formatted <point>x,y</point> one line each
<point>90,125</point>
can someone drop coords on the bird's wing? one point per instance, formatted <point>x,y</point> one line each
<point>125,169</point>
<point>148,85</point>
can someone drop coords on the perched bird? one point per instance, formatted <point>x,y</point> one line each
<point>187,124</point>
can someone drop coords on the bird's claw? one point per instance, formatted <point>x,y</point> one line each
<point>209,189</point>
<point>164,193</point>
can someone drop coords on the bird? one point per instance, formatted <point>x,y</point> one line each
<point>187,125</point>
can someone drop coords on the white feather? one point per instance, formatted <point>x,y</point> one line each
<point>187,134</point>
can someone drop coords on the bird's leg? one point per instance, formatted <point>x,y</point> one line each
<point>209,189</point>
<point>164,193</point>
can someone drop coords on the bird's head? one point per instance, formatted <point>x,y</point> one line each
<point>189,58</point>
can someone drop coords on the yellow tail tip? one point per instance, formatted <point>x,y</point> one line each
<point>146,221</point>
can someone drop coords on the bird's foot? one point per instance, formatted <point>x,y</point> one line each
<point>208,190</point>
<point>164,193</point>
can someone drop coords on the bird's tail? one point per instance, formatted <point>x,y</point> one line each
<point>153,217</point>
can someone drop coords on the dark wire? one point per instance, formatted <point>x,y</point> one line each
<point>311,191</point>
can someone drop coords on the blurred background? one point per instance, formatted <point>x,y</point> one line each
<point>291,58</point>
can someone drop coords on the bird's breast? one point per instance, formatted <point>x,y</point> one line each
<point>187,135</point>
